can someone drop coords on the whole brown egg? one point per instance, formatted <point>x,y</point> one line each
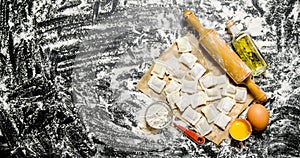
<point>258,116</point>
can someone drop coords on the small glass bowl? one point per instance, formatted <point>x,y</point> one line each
<point>159,115</point>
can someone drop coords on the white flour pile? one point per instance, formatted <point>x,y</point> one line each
<point>158,116</point>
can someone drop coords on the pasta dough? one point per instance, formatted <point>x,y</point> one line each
<point>226,104</point>
<point>222,120</point>
<point>173,98</point>
<point>241,94</point>
<point>197,71</point>
<point>172,65</point>
<point>207,81</point>
<point>156,84</point>
<point>198,99</point>
<point>178,75</point>
<point>188,59</point>
<point>213,94</point>
<point>173,86</point>
<point>203,127</point>
<point>159,70</point>
<point>173,69</point>
<point>210,81</point>
<point>221,81</point>
<point>191,115</point>
<point>184,102</point>
<point>210,112</point>
<point>189,86</point>
<point>229,91</point>
<point>183,45</point>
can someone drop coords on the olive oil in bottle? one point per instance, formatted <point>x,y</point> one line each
<point>246,49</point>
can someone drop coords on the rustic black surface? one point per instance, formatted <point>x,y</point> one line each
<point>68,70</point>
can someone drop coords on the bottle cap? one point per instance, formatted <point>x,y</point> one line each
<point>230,23</point>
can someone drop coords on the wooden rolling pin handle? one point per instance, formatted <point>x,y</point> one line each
<point>190,17</point>
<point>258,94</point>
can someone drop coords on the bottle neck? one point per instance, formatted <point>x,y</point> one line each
<point>234,31</point>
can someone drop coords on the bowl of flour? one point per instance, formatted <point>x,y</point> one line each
<point>159,115</point>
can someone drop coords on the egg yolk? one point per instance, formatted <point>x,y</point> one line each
<point>239,130</point>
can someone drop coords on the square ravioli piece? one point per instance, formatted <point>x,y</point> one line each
<point>213,94</point>
<point>172,64</point>
<point>173,98</point>
<point>156,84</point>
<point>221,81</point>
<point>177,75</point>
<point>208,81</point>
<point>189,86</point>
<point>203,127</point>
<point>226,104</point>
<point>158,69</point>
<point>222,121</point>
<point>191,115</point>
<point>188,59</point>
<point>183,102</point>
<point>210,112</point>
<point>173,69</point>
<point>229,91</point>
<point>173,86</point>
<point>198,99</point>
<point>241,94</point>
<point>197,71</point>
<point>183,45</point>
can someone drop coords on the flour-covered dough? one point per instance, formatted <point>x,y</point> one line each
<point>191,115</point>
<point>156,84</point>
<point>188,59</point>
<point>203,126</point>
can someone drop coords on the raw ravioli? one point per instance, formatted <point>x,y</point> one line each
<point>194,100</point>
<point>177,75</point>
<point>229,91</point>
<point>191,115</point>
<point>241,94</point>
<point>226,104</point>
<point>208,81</point>
<point>203,127</point>
<point>184,102</point>
<point>222,121</point>
<point>156,84</point>
<point>173,98</point>
<point>189,86</point>
<point>188,59</point>
<point>172,65</point>
<point>221,80</point>
<point>198,99</point>
<point>213,94</point>
<point>173,86</point>
<point>173,69</point>
<point>197,71</point>
<point>210,112</point>
<point>159,70</point>
<point>183,45</point>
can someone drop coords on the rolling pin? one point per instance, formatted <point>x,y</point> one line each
<point>220,51</point>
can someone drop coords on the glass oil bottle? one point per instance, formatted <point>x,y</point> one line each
<point>246,49</point>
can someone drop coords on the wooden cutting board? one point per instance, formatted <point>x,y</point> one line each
<point>217,134</point>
